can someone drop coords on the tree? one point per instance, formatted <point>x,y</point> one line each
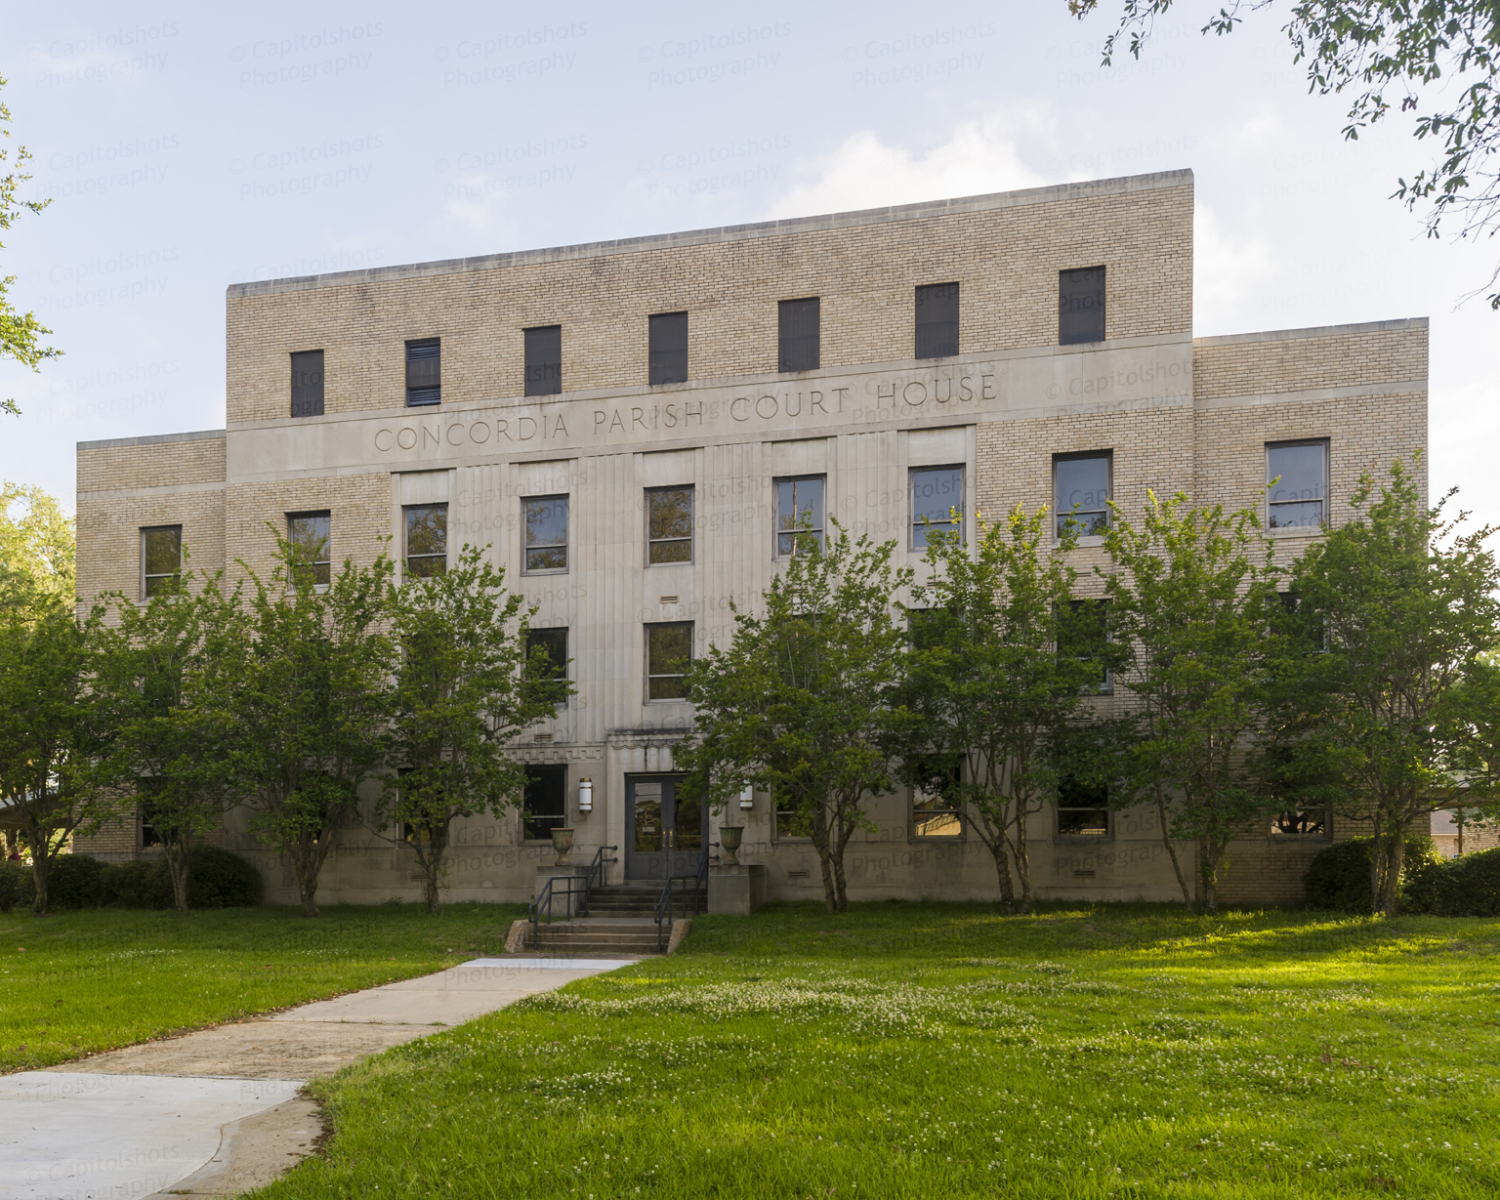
<point>52,731</point>
<point>37,546</point>
<point>1192,612</point>
<point>464,689</point>
<point>1405,603</point>
<point>1446,51</point>
<point>19,332</point>
<point>800,703</point>
<point>993,695</point>
<point>311,707</point>
<point>169,674</point>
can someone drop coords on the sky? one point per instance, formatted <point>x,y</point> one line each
<point>187,148</point>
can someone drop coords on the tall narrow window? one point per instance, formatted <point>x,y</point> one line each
<point>427,539</point>
<point>553,645</point>
<point>669,525</point>
<point>309,535</point>
<point>1297,485</point>
<point>307,383</point>
<point>668,349</point>
<point>1080,306</point>
<point>937,320</point>
<point>799,514</point>
<point>161,558</point>
<point>424,375</point>
<point>1082,809</point>
<point>1084,636</point>
<point>544,803</point>
<point>543,360</point>
<point>937,497</point>
<point>669,650</point>
<point>799,335</point>
<point>1082,490</point>
<point>546,534</point>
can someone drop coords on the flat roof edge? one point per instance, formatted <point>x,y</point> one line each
<point>1312,331</point>
<point>727,233</point>
<point>152,439</point>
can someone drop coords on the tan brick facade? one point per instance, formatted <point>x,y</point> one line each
<point>1175,414</point>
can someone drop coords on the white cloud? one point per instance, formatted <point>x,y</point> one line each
<point>1228,270</point>
<point>864,172</point>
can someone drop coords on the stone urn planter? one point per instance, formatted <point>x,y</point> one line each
<point>729,838</point>
<point>562,842</point>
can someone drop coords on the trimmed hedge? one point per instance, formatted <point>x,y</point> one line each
<point>1339,877</point>
<point>1461,887</point>
<point>216,879</point>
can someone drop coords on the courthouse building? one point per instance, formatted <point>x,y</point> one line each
<point>628,428</point>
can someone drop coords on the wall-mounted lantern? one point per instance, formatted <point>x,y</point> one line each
<point>585,795</point>
<point>747,796</point>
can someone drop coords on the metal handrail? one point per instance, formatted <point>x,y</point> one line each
<point>665,915</point>
<point>574,885</point>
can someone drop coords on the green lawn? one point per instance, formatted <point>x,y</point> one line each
<point>905,1050</point>
<point>77,982</point>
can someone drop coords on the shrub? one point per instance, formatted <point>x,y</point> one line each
<point>74,882</point>
<point>1339,877</point>
<point>217,879</point>
<point>15,885</point>
<point>1462,887</point>
<point>136,884</point>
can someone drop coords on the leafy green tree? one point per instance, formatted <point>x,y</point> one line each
<point>464,689</point>
<point>1381,53</point>
<point>311,708</point>
<point>1191,609</point>
<point>20,333</point>
<point>170,672</point>
<point>52,730</point>
<point>37,546</point>
<point>800,703</point>
<point>992,694</point>
<point>1405,604</point>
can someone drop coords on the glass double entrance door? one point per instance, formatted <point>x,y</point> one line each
<point>661,838</point>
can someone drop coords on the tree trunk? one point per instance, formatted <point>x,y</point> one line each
<point>177,868</point>
<point>1390,900</point>
<point>1166,840</point>
<point>432,864</point>
<point>1023,858</point>
<point>825,858</point>
<point>1208,870</point>
<point>41,868</point>
<point>1378,858</point>
<point>308,856</point>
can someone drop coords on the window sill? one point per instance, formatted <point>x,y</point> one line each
<point>549,571</point>
<point>1083,543</point>
<point>1289,532</point>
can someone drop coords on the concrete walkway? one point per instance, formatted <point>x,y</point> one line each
<point>217,1112</point>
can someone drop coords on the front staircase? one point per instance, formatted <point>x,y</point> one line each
<point>621,923</point>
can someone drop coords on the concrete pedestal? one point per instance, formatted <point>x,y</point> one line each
<point>562,905</point>
<point>740,889</point>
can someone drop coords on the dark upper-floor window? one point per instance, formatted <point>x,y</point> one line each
<point>937,497</point>
<point>1080,306</point>
<point>937,320</point>
<point>669,525</point>
<point>552,646</point>
<point>543,360</point>
<point>307,383</point>
<point>1082,809</point>
<point>799,346</point>
<point>161,558</point>
<point>799,514</point>
<point>668,349</point>
<point>424,377</point>
<point>546,534</point>
<point>1083,635</point>
<point>1081,491</point>
<point>669,650</point>
<point>426,539</point>
<point>309,534</point>
<point>1297,485</point>
<point>544,803</point>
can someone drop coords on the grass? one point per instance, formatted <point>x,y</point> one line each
<point>79,982</point>
<point>906,1050</point>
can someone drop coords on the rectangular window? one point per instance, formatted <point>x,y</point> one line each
<point>307,383</point>
<point>161,558</point>
<point>554,644</point>
<point>152,829</point>
<point>668,350</point>
<point>543,360</point>
<point>546,519</point>
<point>937,320</point>
<point>427,540</point>
<point>793,824</point>
<point>799,347</point>
<point>1084,636</point>
<point>309,534</point>
<point>1081,488</point>
<point>937,498</point>
<point>935,808</point>
<point>544,804</point>
<point>799,514</point>
<point>1297,486</point>
<point>669,649</point>
<point>423,372</point>
<point>1082,809</point>
<point>1080,306</point>
<point>1300,822</point>
<point>669,525</point>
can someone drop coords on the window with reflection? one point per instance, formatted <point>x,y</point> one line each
<point>1083,634</point>
<point>1082,809</point>
<point>1081,491</point>
<point>1297,486</point>
<point>669,525</point>
<point>799,514</point>
<point>546,533</point>
<point>426,540</point>
<point>669,650</point>
<point>937,497</point>
<point>309,534</point>
<point>936,811</point>
<point>551,645</point>
<point>161,558</point>
<point>1300,822</point>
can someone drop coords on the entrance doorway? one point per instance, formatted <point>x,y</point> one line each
<point>661,838</point>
